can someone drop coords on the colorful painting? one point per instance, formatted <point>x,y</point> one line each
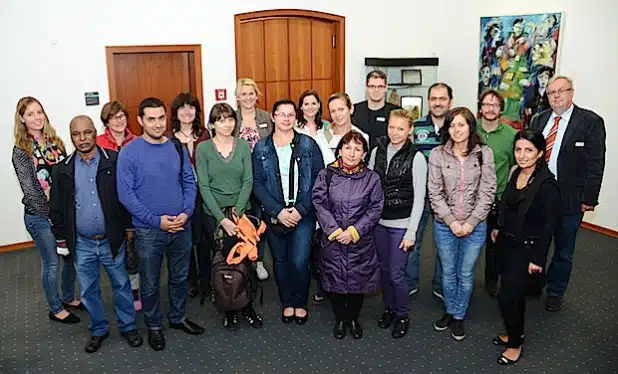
<point>517,56</point>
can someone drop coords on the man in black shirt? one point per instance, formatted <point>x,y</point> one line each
<point>371,115</point>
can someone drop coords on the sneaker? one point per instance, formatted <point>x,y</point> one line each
<point>438,294</point>
<point>261,271</point>
<point>413,291</point>
<point>457,329</point>
<point>443,323</point>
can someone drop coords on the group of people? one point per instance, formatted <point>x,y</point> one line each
<point>355,194</point>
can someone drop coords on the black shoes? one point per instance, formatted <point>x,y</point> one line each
<point>189,327</point>
<point>156,339</point>
<point>355,329</point>
<point>70,319</point>
<point>553,303</point>
<point>505,361</point>
<point>302,320</point>
<point>457,330</point>
<point>230,321</point>
<point>339,330</point>
<point>443,323</point>
<point>254,319</point>
<point>401,327</point>
<point>94,343</point>
<point>79,306</point>
<point>133,338</point>
<point>287,319</point>
<point>387,318</point>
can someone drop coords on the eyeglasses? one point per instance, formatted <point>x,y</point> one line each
<point>118,117</point>
<point>374,87</point>
<point>558,92</point>
<point>490,105</point>
<point>284,115</point>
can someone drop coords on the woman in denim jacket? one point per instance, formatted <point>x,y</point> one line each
<point>461,187</point>
<point>285,166</point>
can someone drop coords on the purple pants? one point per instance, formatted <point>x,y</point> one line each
<point>393,262</point>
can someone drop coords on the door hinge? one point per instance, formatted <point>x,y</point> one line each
<point>334,41</point>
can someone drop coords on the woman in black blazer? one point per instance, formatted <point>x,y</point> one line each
<point>526,221</point>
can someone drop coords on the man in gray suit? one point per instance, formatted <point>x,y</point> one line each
<point>575,154</point>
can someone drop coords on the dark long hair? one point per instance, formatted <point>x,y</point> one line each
<point>536,138</point>
<point>299,112</point>
<point>186,98</point>
<point>474,137</point>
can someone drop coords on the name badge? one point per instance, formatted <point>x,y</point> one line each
<point>263,125</point>
<point>380,119</point>
<point>579,144</point>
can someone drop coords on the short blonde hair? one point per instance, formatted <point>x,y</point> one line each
<point>246,82</point>
<point>557,77</point>
<point>403,113</point>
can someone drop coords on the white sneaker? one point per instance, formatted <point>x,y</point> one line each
<point>413,291</point>
<point>261,271</point>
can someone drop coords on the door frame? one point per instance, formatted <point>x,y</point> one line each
<point>196,67</point>
<point>339,21</point>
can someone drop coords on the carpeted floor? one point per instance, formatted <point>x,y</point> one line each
<point>579,339</point>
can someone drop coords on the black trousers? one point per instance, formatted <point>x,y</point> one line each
<point>346,306</point>
<point>491,258</point>
<point>513,262</point>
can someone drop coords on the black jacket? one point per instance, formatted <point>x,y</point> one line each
<point>396,180</point>
<point>62,201</point>
<point>537,214</point>
<point>581,160</point>
<point>365,122</point>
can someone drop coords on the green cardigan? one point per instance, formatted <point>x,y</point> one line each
<point>224,182</point>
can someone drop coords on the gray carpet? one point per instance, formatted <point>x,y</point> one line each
<point>579,339</point>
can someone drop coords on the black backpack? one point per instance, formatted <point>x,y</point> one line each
<point>234,286</point>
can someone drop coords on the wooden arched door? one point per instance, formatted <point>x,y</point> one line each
<point>289,51</point>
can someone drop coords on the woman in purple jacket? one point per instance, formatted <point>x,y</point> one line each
<point>348,200</point>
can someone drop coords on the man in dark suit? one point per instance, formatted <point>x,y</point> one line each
<point>576,155</point>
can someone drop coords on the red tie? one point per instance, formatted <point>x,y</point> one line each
<point>551,138</point>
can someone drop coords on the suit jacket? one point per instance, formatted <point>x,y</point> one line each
<point>581,158</point>
<point>262,120</point>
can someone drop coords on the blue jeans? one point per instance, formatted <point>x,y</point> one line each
<point>90,254</point>
<point>560,268</point>
<point>39,229</point>
<point>291,262</point>
<point>412,270</point>
<point>458,257</point>
<point>152,244</point>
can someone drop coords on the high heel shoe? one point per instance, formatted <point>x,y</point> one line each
<point>505,361</point>
<point>70,319</point>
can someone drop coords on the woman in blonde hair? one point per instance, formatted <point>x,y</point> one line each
<point>253,124</point>
<point>37,148</point>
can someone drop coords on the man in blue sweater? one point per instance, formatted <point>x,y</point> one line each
<point>158,188</point>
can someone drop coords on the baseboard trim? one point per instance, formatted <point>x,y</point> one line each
<point>16,246</point>
<point>600,229</point>
<point>586,225</point>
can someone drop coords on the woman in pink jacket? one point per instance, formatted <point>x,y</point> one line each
<point>461,187</point>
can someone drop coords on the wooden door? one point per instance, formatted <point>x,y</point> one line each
<point>136,75</point>
<point>287,55</point>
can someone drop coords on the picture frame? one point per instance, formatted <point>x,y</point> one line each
<point>413,77</point>
<point>414,104</point>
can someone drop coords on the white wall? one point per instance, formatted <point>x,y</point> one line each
<point>55,51</point>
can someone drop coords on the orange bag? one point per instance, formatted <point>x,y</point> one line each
<point>248,237</point>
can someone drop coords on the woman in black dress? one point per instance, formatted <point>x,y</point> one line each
<point>526,222</point>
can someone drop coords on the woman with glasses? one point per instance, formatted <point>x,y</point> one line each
<point>285,166</point>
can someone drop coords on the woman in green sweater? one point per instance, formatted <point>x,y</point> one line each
<point>225,180</point>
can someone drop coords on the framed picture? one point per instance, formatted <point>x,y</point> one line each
<point>414,104</point>
<point>411,76</point>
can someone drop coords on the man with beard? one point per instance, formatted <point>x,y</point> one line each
<point>89,221</point>
<point>500,137</point>
<point>428,135</point>
<point>157,186</point>
<point>371,115</point>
